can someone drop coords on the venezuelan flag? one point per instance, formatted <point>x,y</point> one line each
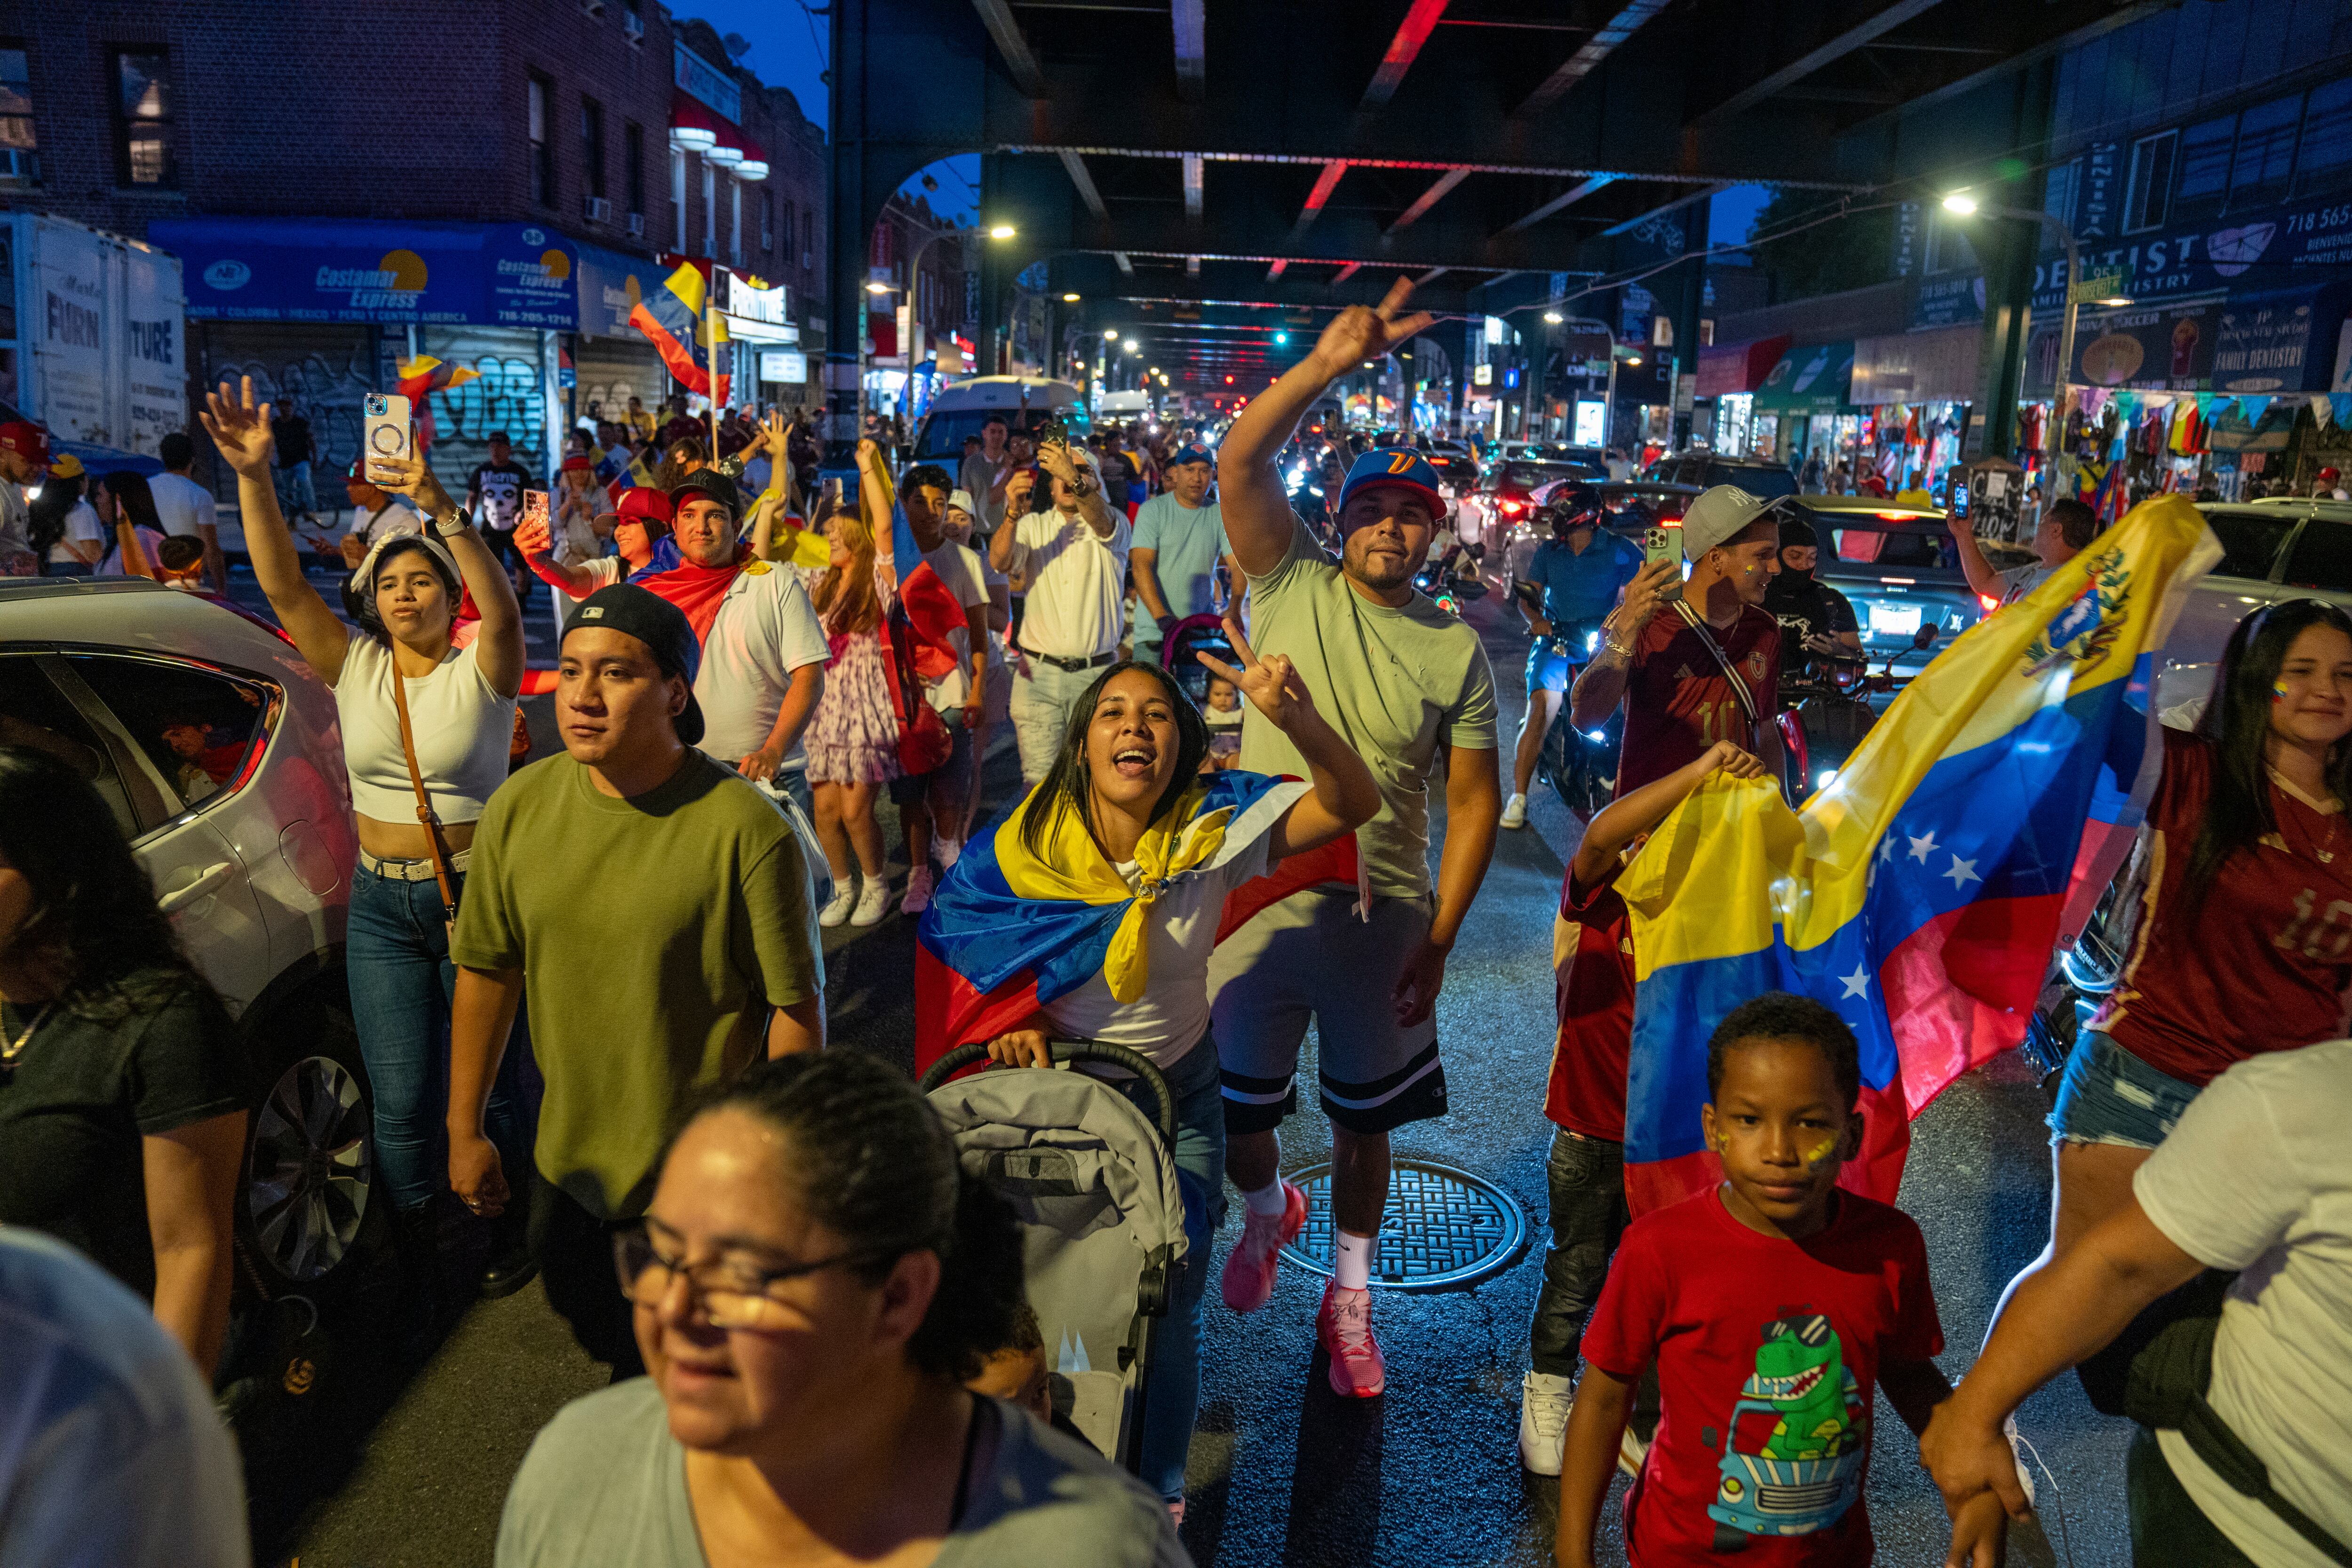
<point>1921,894</point>
<point>676,319</point>
<point>425,374</point>
<point>1007,931</point>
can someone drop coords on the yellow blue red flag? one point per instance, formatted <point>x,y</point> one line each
<point>678,320</point>
<point>1920,894</point>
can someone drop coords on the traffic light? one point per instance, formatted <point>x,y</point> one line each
<point>1229,381</point>
<point>1281,340</point>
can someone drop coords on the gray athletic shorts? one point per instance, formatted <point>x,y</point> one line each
<point>1309,958</point>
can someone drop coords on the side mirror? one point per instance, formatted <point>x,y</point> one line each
<point>1925,638</point>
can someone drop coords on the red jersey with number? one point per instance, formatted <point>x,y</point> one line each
<point>1592,983</point>
<point>1768,1353</point>
<point>1678,701</point>
<point>2262,965</point>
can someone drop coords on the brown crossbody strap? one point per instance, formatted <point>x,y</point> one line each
<point>424,801</point>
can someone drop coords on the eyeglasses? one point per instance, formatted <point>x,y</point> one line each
<point>733,1295</point>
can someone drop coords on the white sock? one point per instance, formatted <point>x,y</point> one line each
<point>1351,1261</point>
<point>1268,1200</point>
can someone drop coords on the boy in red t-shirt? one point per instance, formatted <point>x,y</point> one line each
<point>1771,1306</point>
<point>1592,966</point>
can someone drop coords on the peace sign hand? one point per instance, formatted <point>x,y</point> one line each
<point>1270,684</point>
<point>1356,335</point>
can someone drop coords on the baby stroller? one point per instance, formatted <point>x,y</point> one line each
<point>1094,1182</point>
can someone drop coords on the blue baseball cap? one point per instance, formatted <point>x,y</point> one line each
<point>1193,453</point>
<point>1394,465</point>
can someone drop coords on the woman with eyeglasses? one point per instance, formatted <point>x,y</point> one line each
<point>813,1281</point>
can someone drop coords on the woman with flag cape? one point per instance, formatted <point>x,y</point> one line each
<point>1091,913</point>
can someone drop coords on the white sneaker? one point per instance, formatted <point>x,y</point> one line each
<point>1515,815</point>
<point>945,850</point>
<point>1544,1403</point>
<point>1630,1452</point>
<point>873,902</point>
<point>845,894</point>
<point>919,891</point>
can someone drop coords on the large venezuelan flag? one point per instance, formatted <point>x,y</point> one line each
<point>1007,933</point>
<point>675,320</point>
<point>1920,895</point>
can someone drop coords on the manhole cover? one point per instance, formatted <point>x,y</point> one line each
<point>1444,1228</point>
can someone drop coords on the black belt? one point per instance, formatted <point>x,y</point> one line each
<point>1074,665</point>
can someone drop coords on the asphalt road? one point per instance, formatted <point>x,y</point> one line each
<point>410,1470</point>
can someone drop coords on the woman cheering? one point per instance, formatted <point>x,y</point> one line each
<point>417,714</point>
<point>1124,831</point>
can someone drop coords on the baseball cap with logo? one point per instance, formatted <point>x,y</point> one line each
<point>662,626</point>
<point>707,484</point>
<point>66,467</point>
<point>25,439</point>
<point>645,505</point>
<point>1719,514</point>
<point>1193,453</point>
<point>1394,465</point>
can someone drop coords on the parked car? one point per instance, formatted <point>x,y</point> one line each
<point>1897,565</point>
<point>1697,466</point>
<point>219,754</point>
<point>1503,498</point>
<point>1022,401</point>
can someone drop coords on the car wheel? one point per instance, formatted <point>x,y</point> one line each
<point>310,1173</point>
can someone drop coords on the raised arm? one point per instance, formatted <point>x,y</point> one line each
<point>240,431</point>
<point>1085,481</point>
<point>1602,685</point>
<point>1624,820</point>
<point>1005,551</point>
<point>1249,481</point>
<point>535,540</point>
<point>1343,796</point>
<point>499,651</point>
<point>1982,578</point>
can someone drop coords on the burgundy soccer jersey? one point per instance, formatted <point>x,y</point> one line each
<point>1677,702</point>
<point>1768,1355</point>
<point>2262,965</point>
<point>1592,983</point>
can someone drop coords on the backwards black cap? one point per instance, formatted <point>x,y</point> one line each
<point>662,626</point>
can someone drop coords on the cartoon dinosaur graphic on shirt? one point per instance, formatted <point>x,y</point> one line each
<point>1799,1434</point>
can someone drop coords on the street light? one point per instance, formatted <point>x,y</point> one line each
<point>1069,299</point>
<point>1110,334</point>
<point>877,288</point>
<point>1002,231</point>
<point>1962,204</point>
<point>1553,318</point>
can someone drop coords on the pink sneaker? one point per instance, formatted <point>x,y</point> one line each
<point>1249,1271</point>
<point>1345,1326</point>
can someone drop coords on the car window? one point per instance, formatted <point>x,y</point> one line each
<point>197,727</point>
<point>35,714</point>
<point>2250,540</point>
<point>1765,482</point>
<point>2322,558</point>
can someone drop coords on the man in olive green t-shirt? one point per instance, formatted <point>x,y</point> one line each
<point>1409,686</point>
<point>659,909</point>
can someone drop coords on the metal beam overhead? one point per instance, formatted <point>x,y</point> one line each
<point>1019,58</point>
<point>1075,165</point>
<point>1638,219</point>
<point>1325,184</point>
<point>1578,168</point>
<point>2015,59</point>
<point>1574,194</point>
<point>1806,64</point>
<point>1192,177</point>
<point>1278,269</point>
<point>1429,198</point>
<point>1125,265</point>
<point>1346,272</point>
<point>1432,276</point>
<point>1192,48</point>
<point>1404,48</point>
<point>1595,49</point>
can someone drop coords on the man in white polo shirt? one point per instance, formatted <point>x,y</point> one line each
<point>1071,559</point>
<point>186,508</point>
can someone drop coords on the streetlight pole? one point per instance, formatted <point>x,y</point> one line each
<point>2054,438</point>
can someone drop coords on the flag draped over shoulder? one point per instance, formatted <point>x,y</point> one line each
<point>1009,931</point>
<point>1920,895</point>
<point>675,320</point>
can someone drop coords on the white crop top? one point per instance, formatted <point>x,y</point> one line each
<point>463,731</point>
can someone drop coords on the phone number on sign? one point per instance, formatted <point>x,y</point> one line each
<point>2318,220</point>
<point>534,319</point>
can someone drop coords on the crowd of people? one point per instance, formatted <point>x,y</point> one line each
<point>813,1310</point>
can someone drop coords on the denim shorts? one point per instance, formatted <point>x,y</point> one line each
<point>1549,664</point>
<point>2110,1096</point>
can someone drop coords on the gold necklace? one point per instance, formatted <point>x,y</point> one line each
<point>11,1050</point>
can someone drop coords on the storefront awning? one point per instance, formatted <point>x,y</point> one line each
<point>373,272</point>
<point>1814,379</point>
<point>699,127</point>
<point>1937,366</point>
<point>1738,367</point>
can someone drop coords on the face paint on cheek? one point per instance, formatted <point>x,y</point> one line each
<point>2278,692</point>
<point>1820,1153</point>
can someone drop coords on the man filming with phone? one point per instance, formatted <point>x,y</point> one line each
<point>1708,668</point>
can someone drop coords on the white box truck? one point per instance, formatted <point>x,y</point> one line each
<point>92,338</point>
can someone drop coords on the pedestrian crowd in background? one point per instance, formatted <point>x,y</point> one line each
<point>1230,708</point>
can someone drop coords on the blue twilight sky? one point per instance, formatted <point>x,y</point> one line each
<point>1733,212</point>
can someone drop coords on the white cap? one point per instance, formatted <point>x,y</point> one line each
<point>962,501</point>
<point>1718,515</point>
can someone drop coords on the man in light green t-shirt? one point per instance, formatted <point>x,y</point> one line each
<point>1409,686</point>
<point>660,910</point>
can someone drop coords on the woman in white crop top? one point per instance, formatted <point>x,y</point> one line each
<point>404,597</point>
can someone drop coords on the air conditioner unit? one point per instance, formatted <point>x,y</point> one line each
<point>600,209</point>
<point>634,27</point>
<point>592,8</point>
<point>636,225</point>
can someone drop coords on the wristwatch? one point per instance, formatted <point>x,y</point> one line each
<point>457,522</point>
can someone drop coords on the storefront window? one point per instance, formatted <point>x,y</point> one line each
<point>143,119</point>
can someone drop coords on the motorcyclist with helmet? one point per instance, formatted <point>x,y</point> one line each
<point>1571,581</point>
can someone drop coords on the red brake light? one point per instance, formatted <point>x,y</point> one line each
<point>1512,507</point>
<point>1989,602</point>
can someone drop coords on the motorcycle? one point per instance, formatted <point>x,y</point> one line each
<point>1455,581</point>
<point>1823,719</point>
<point>1581,765</point>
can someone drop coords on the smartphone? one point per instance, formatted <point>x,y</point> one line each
<point>534,510</point>
<point>1664,544</point>
<point>390,431</point>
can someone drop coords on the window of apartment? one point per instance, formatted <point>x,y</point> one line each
<point>710,208</point>
<point>592,146</point>
<point>2149,194</point>
<point>2326,160</point>
<point>2203,183</point>
<point>142,124</point>
<point>808,237</point>
<point>2261,171</point>
<point>632,20</point>
<point>734,221</point>
<point>767,222</point>
<point>2058,189</point>
<point>677,194</point>
<point>20,162</point>
<point>543,152</point>
<point>633,166</point>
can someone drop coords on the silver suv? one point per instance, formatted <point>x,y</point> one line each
<point>219,753</point>
<point>2271,549</point>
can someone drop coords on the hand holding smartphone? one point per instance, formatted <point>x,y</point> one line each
<point>389,431</point>
<point>1664,544</point>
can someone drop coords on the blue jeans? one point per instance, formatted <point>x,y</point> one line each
<point>1172,1394</point>
<point>2110,1096</point>
<point>294,491</point>
<point>397,960</point>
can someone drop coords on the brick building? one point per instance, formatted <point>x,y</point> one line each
<point>490,183</point>
<point>922,300</point>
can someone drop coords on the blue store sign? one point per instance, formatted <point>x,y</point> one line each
<point>375,273</point>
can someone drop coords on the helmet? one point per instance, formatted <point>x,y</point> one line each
<point>1574,504</point>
